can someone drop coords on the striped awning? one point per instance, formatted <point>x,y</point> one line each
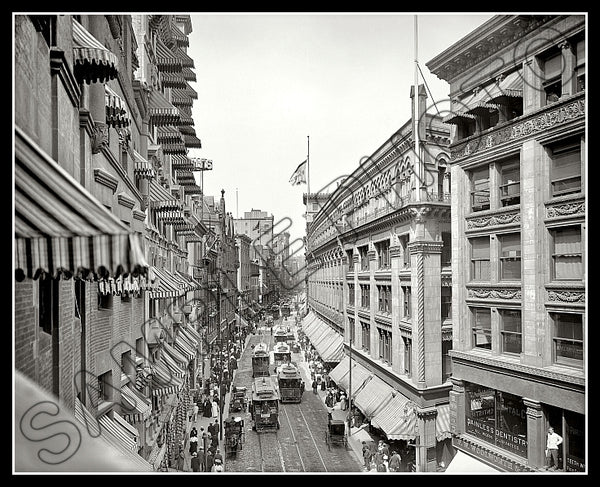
<point>186,60</point>
<point>340,370</point>
<point>166,60</point>
<point>162,111</point>
<point>142,167</point>
<point>173,366</point>
<point>181,98</point>
<point>184,347</point>
<point>168,134</point>
<point>442,422</point>
<point>192,332</point>
<point>117,114</point>
<point>397,419</point>
<point>190,281</point>
<point>188,74</point>
<point>163,380</point>
<point>113,435</point>
<point>359,376</point>
<point>192,141</point>
<point>62,228</point>
<point>191,92</point>
<point>179,161</point>
<point>162,199</point>
<point>335,351</point>
<point>168,285</point>
<point>179,38</point>
<point>195,343</point>
<point>172,80</point>
<point>181,359</point>
<point>373,396</point>
<point>92,62</point>
<point>134,406</point>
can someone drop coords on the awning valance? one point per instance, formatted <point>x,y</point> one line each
<point>397,419</point>
<point>442,422</point>
<point>166,60</point>
<point>168,285</point>
<point>91,60</point>
<point>162,111</point>
<point>134,406</point>
<point>373,396</point>
<point>172,80</point>
<point>162,199</point>
<point>126,285</point>
<point>192,141</point>
<point>142,167</point>
<point>61,228</point>
<point>188,74</point>
<point>117,114</point>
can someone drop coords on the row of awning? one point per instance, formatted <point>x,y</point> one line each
<point>115,431</point>
<point>487,97</point>
<point>327,342</point>
<point>61,228</point>
<point>385,407</point>
<point>171,284</point>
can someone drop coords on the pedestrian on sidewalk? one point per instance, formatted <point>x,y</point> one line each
<point>195,463</point>
<point>395,462</point>
<point>210,460</point>
<point>314,386</point>
<point>195,413</point>
<point>367,456</point>
<point>181,461</point>
<point>215,409</point>
<point>201,459</point>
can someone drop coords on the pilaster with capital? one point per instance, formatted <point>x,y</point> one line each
<point>536,433</point>
<point>569,78</point>
<point>457,406</point>
<point>397,342</point>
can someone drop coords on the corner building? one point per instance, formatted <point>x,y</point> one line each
<point>517,87</point>
<point>378,267</point>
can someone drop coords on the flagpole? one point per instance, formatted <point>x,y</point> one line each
<point>307,169</point>
<point>418,162</point>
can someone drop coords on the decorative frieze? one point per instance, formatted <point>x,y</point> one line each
<point>493,220</point>
<point>425,247</point>
<point>535,124</point>
<point>487,293</point>
<point>566,209</point>
<point>569,297</point>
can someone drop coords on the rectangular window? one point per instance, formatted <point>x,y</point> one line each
<point>480,258</point>
<point>407,355</point>
<point>365,296</point>
<point>565,170</point>
<point>446,359</point>
<point>105,386</point>
<point>580,65</point>
<point>380,296</point>
<point>406,291</point>
<point>387,305</point>
<point>510,256</point>
<point>480,189</point>
<point>381,344</point>
<point>405,252</point>
<point>568,339</point>
<point>510,330</point>
<point>366,336</point>
<point>351,294</point>
<point>383,254</point>
<point>47,303</point>
<point>446,249</point>
<point>350,260</point>
<point>105,301</point>
<point>446,300</point>
<point>510,183</point>
<point>364,260</point>
<point>552,83</point>
<point>352,330</point>
<point>482,328</point>
<point>567,257</point>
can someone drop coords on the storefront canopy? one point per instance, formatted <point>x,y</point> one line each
<point>61,228</point>
<point>134,406</point>
<point>397,419</point>
<point>168,285</point>
<point>373,396</point>
<point>463,463</point>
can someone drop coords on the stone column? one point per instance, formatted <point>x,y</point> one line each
<point>536,433</point>
<point>426,304</point>
<point>397,342</point>
<point>457,406</point>
<point>426,439</point>
<point>357,327</point>
<point>569,77</point>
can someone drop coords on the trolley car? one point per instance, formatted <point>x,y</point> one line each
<point>290,383</point>
<point>264,407</point>
<point>280,334</point>
<point>282,353</point>
<point>285,310</point>
<point>260,360</point>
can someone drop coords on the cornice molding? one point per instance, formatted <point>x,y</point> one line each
<point>59,66</point>
<point>106,179</point>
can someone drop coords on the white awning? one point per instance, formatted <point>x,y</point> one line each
<point>463,463</point>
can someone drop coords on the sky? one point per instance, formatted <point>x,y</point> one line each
<point>276,87</point>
